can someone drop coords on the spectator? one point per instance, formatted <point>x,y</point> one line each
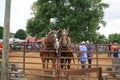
<point>77,47</point>
<point>114,49</point>
<point>109,50</point>
<point>82,54</point>
<point>89,53</point>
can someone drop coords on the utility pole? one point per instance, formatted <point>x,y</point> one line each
<point>6,32</point>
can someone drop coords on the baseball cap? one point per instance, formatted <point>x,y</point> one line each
<point>83,42</point>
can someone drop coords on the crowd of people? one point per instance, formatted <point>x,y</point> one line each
<point>113,49</point>
<point>85,54</point>
<point>86,50</point>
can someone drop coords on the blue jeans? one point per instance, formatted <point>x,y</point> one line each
<point>109,53</point>
<point>89,62</point>
<point>83,64</point>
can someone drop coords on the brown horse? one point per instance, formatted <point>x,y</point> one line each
<point>48,49</point>
<point>65,48</point>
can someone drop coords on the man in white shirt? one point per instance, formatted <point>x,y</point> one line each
<point>82,54</point>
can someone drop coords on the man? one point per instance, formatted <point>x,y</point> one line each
<point>82,54</point>
<point>89,53</point>
<point>115,52</point>
<point>109,50</point>
<point>114,49</point>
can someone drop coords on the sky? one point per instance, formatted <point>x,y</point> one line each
<point>21,12</point>
<point>112,17</point>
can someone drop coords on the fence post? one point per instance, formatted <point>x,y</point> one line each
<point>24,59</point>
<point>96,48</point>
<point>58,65</point>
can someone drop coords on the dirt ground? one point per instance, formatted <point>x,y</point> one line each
<point>36,65</point>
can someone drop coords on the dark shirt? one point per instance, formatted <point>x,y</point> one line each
<point>115,55</point>
<point>89,47</point>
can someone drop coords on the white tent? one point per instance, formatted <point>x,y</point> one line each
<point>1,40</point>
<point>14,40</point>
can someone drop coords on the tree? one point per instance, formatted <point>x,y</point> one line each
<point>21,34</point>
<point>101,39</point>
<point>114,38</point>
<point>12,35</point>
<point>81,17</point>
<point>1,32</point>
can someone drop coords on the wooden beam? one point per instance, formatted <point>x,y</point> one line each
<point>6,33</point>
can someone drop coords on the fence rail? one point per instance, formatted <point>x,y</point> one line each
<point>27,67</point>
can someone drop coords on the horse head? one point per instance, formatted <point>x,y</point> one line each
<point>63,33</point>
<point>64,39</point>
<point>52,34</point>
<point>53,37</point>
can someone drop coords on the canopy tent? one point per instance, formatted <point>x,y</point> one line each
<point>14,40</point>
<point>29,39</point>
<point>41,39</point>
<point>1,40</point>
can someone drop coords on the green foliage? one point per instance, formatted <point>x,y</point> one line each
<point>1,32</point>
<point>114,38</point>
<point>81,17</point>
<point>12,35</point>
<point>101,39</point>
<point>20,34</point>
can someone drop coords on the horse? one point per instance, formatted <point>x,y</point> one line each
<point>49,43</point>
<point>65,48</point>
<point>65,42</point>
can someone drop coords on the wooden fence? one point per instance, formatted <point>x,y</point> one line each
<point>28,69</point>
